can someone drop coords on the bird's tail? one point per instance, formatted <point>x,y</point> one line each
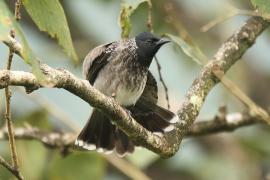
<point>153,117</point>
<point>99,134</point>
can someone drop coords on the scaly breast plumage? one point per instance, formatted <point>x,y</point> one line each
<point>130,89</point>
<point>125,83</point>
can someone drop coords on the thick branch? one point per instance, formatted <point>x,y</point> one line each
<point>165,146</point>
<point>231,51</point>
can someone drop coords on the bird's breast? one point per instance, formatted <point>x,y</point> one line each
<point>124,80</point>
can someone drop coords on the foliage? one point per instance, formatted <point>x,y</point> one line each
<point>127,9</point>
<point>8,23</point>
<point>54,22</point>
<point>189,49</point>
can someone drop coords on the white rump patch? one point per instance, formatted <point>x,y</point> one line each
<point>158,134</point>
<point>79,142</point>
<point>169,128</point>
<point>175,119</point>
<point>85,145</point>
<point>89,146</point>
<point>100,150</point>
<point>121,155</point>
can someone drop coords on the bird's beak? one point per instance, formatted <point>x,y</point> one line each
<point>162,41</point>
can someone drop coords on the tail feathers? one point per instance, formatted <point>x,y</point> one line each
<point>88,136</point>
<point>123,145</point>
<point>107,136</point>
<point>154,123</point>
<point>153,117</point>
<point>103,136</point>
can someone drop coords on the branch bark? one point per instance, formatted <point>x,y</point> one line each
<point>230,123</point>
<point>167,145</point>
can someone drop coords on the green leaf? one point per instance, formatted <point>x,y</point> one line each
<point>262,5</point>
<point>189,49</point>
<point>127,9</point>
<point>49,16</point>
<point>7,22</point>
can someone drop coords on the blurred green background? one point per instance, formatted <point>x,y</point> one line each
<point>243,154</point>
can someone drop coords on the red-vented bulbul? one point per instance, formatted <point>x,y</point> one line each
<point>120,70</point>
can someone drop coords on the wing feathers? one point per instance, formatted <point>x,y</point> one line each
<point>94,61</point>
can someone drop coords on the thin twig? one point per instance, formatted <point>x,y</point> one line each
<point>233,12</point>
<point>218,20</point>
<point>149,17</point>
<point>163,82</point>
<point>254,108</point>
<point>150,27</point>
<point>4,163</point>
<point>232,122</point>
<point>9,125</point>
<point>17,13</point>
<point>11,169</point>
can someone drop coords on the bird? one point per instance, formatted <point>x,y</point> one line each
<point>120,70</point>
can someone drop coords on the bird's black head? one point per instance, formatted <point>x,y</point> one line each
<point>148,45</point>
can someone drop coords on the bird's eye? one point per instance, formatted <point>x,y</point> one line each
<point>149,41</point>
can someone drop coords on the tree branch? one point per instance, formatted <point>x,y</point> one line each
<point>167,145</point>
<point>230,51</point>
<point>231,122</point>
<point>61,140</point>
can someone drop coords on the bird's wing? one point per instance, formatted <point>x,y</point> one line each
<point>148,113</point>
<point>150,92</point>
<point>95,60</point>
<point>150,95</point>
